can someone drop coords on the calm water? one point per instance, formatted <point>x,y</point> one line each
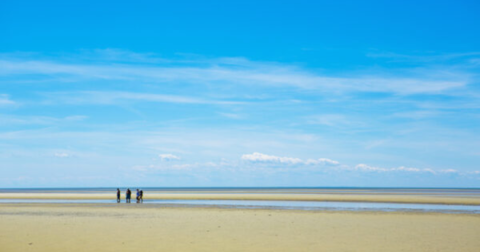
<point>293,205</point>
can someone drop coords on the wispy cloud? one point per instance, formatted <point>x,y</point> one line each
<point>261,164</point>
<point>264,158</point>
<point>368,168</point>
<point>5,100</point>
<point>198,167</point>
<point>61,154</point>
<point>417,114</point>
<point>38,120</point>
<point>323,161</point>
<point>168,157</point>
<point>180,107</point>
<point>328,120</point>
<point>239,71</point>
<point>259,157</point>
<point>114,97</point>
<point>231,115</point>
<point>426,57</point>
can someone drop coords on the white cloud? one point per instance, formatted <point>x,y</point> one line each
<point>272,164</point>
<point>364,167</point>
<point>168,157</point>
<point>259,157</point>
<point>259,163</point>
<point>264,158</point>
<point>368,168</point>
<point>148,168</point>
<point>449,171</point>
<point>61,154</point>
<point>324,161</point>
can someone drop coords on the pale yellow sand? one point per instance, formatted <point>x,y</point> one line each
<point>431,199</point>
<point>97,227</point>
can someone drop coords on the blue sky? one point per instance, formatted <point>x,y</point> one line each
<point>297,93</point>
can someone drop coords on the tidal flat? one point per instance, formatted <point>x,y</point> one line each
<point>54,220</point>
<point>149,227</point>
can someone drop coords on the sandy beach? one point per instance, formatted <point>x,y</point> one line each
<point>121,227</point>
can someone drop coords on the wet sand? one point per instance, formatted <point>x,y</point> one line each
<point>122,227</point>
<point>402,198</point>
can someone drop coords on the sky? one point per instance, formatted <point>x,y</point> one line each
<point>239,93</point>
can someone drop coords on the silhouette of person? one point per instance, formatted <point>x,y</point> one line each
<point>118,195</point>
<point>128,195</point>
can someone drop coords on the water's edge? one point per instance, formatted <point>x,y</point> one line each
<point>286,205</point>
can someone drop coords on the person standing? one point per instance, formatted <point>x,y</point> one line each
<point>118,195</point>
<point>141,196</point>
<point>138,196</point>
<point>127,195</point>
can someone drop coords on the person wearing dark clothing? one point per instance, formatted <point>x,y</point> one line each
<point>141,196</point>
<point>118,195</point>
<point>128,195</point>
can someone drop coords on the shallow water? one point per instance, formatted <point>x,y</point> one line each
<point>327,205</point>
<point>295,205</point>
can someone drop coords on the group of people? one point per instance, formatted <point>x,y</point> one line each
<point>128,196</point>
